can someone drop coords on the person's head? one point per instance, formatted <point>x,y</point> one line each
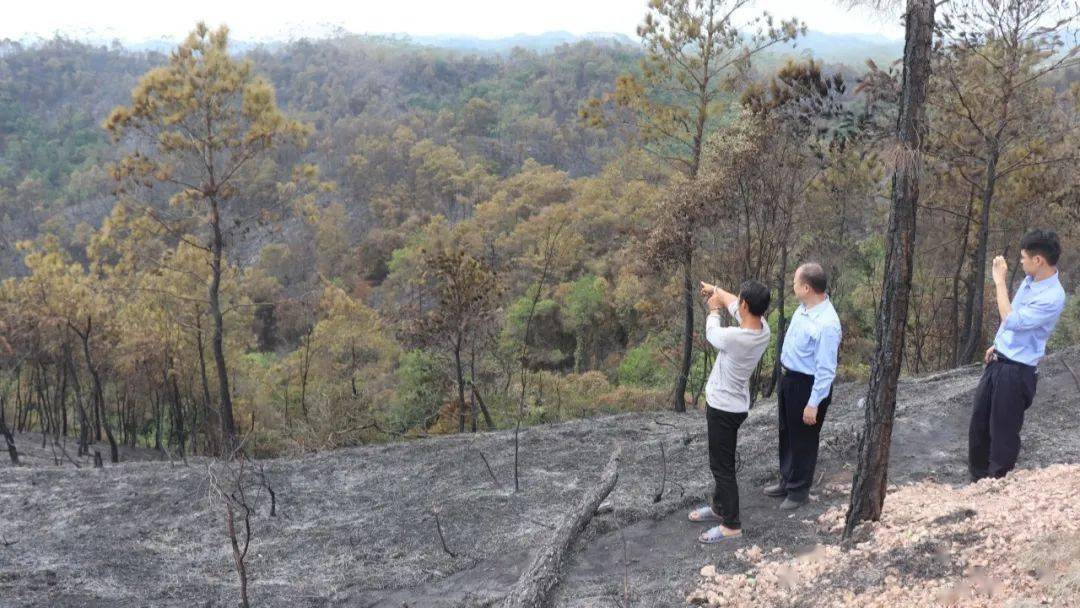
<point>1039,252</point>
<point>753,298</point>
<point>810,282</point>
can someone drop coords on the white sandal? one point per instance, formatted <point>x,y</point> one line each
<point>703,514</point>
<point>716,534</point>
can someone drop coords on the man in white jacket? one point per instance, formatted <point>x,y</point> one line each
<point>727,393</point>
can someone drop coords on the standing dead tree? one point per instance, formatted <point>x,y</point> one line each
<point>265,482</point>
<point>663,476</point>
<point>231,483</point>
<point>442,537</point>
<point>551,241</point>
<point>536,584</point>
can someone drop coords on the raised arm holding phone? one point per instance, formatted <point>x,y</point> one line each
<point>1007,387</point>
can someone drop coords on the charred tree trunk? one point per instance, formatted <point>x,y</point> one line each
<point>706,365</point>
<point>871,476</point>
<point>41,380</point>
<point>305,369</point>
<point>159,416</point>
<point>228,424</point>
<point>781,320</point>
<point>483,406</point>
<point>957,335</point>
<point>20,409</point>
<point>177,414</point>
<point>460,384</point>
<point>84,421</point>
<point>976,295</point>
<point>688,332</point>
<point>61,399</point>
<point>472,393</point>
<point>209,444</point>
<point>96,408</point>
<point>99,394</point>
<point>13,453</point>
<point>22,403</point>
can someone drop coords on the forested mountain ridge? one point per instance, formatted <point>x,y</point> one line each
<point>57,92</point>
<point>418,239</point>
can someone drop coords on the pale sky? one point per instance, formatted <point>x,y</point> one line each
<point>137,20</point>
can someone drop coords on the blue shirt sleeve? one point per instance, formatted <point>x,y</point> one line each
<point>1034,313</point>
<point>824,364</point>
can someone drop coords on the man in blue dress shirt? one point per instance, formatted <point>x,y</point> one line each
<point>808,362</point>
<point>1007,386</point>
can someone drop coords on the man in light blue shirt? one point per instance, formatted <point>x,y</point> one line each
<point>808,361</point>
<point>1007,386</point>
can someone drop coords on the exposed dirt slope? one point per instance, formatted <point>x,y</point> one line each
<point>1001,542</point>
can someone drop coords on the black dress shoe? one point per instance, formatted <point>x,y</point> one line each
<point>776,490</point>
<point>791,504</point>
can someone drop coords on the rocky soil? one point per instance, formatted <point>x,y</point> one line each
<point>1001,542</point>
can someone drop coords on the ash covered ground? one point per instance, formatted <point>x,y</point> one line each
<point>355,527</point>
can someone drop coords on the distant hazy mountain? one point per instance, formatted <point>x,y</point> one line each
<point>830,47</point>
<point>534,42</point>
<point>849,47</point>
<point>846,48</point>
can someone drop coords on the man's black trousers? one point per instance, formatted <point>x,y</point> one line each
<point>723,434</point>
<point>1004,393</point>
<point>798,441</point>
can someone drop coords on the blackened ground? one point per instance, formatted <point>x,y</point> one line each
<point>355,526</point>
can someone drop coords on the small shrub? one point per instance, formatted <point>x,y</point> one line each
<point>642,367</point>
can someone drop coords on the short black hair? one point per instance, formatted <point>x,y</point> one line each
<point>814,276</point>
<point>756,296</point>
<point>1044,243</point>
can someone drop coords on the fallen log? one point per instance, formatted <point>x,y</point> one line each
<point>534,587</point>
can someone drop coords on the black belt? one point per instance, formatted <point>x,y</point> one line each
<point>1003,359</point>
<point>794,373</point>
